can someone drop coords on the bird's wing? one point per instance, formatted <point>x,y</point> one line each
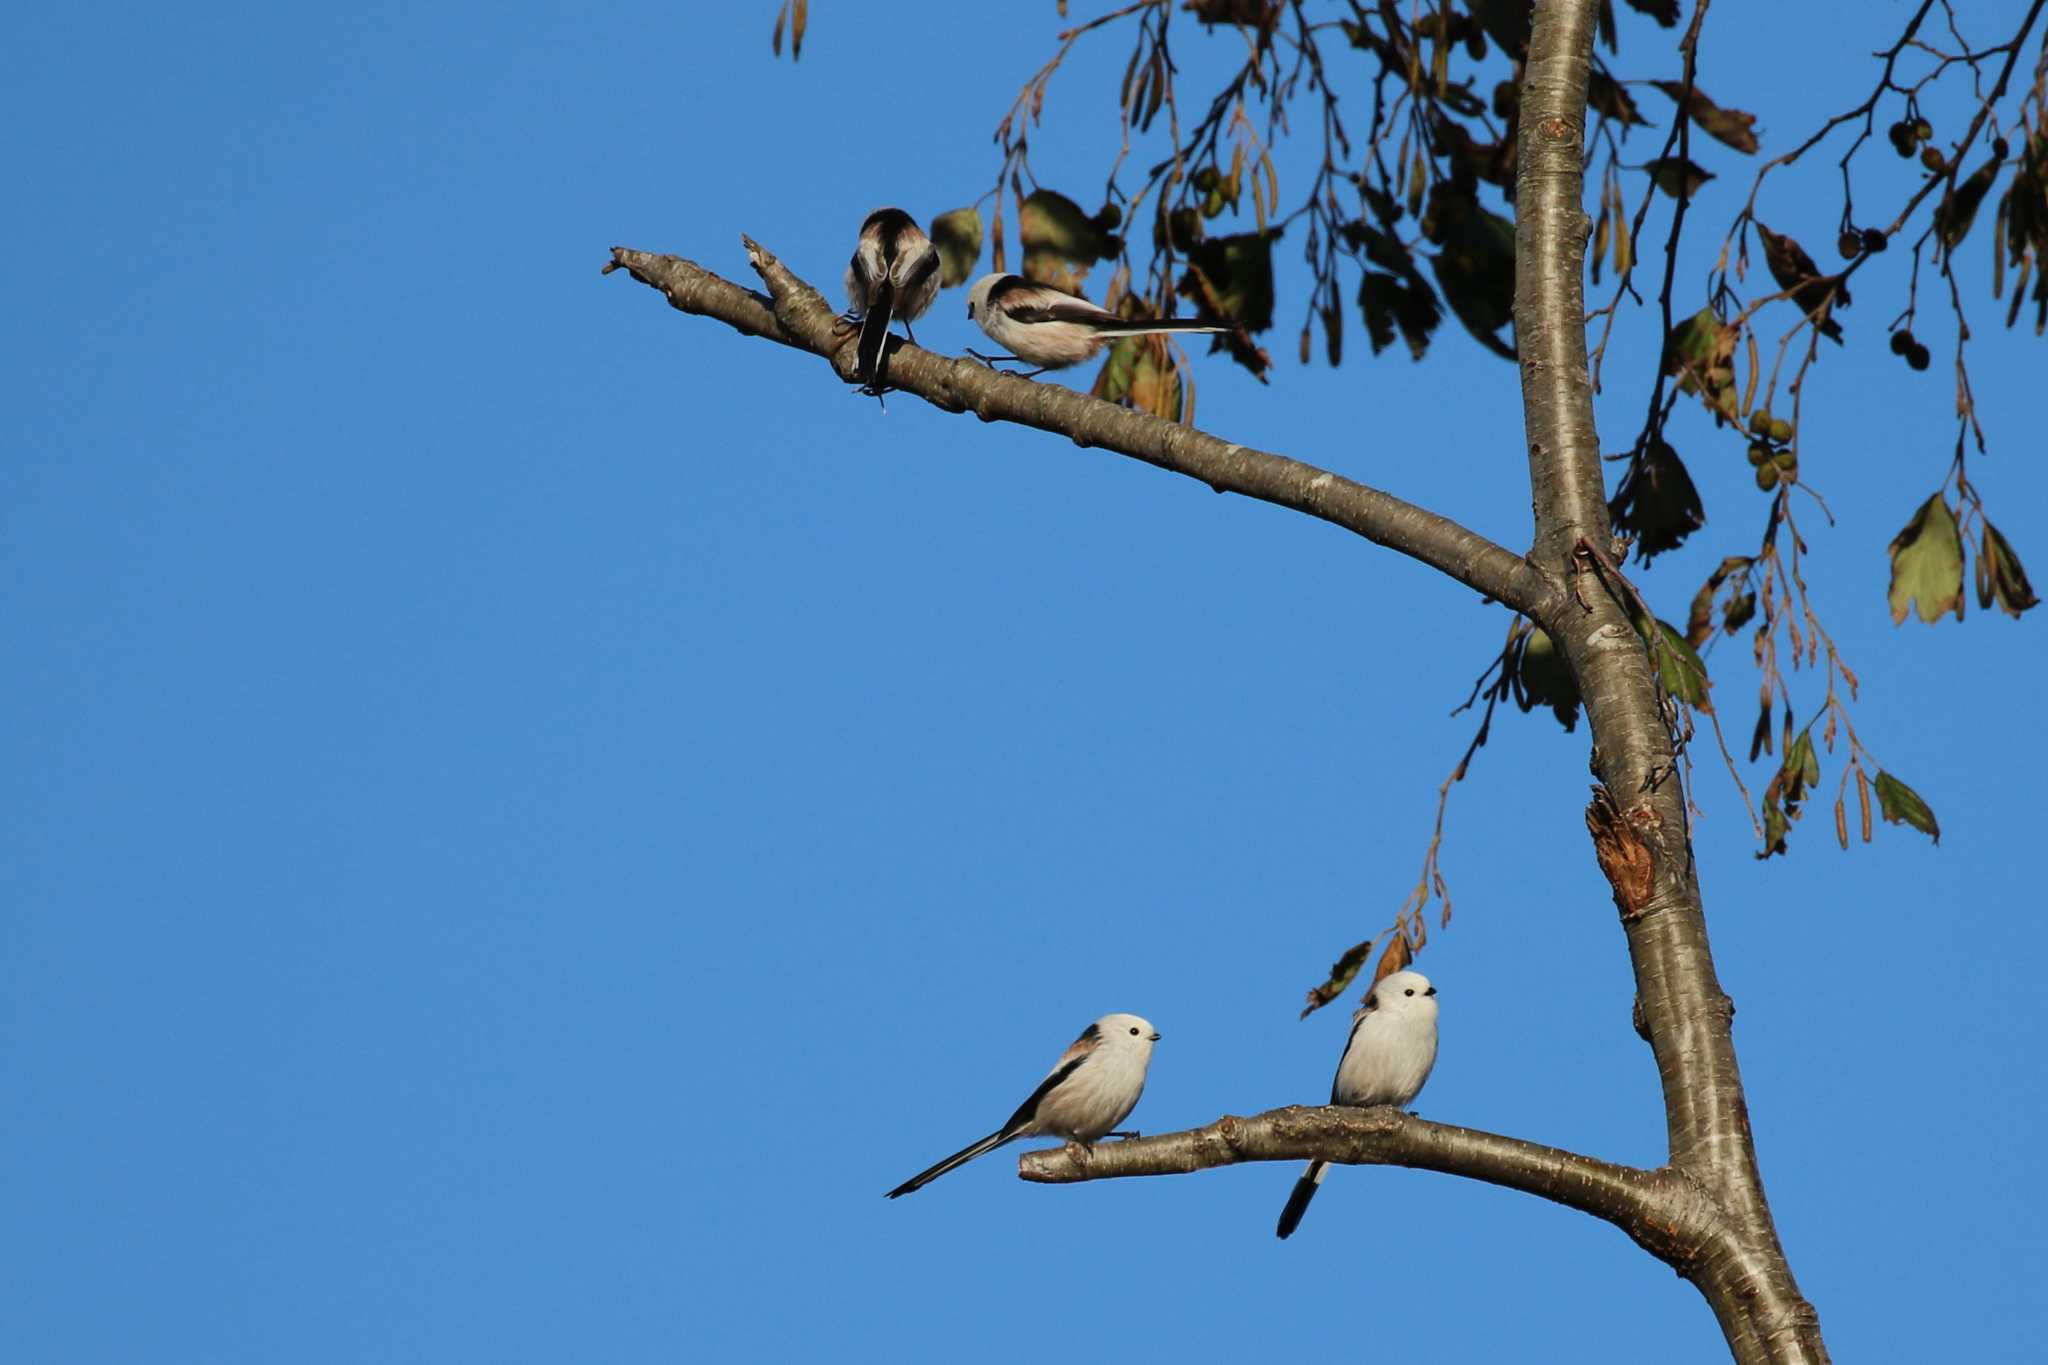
<point>1365,1012</point>
<point>1046,308</point>
<point>1090,1038</point>
<point>1029,1109</point>
<point>922,271</point>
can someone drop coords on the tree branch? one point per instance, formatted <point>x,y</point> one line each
<point>796,315</point>
<point>1659,1211</point>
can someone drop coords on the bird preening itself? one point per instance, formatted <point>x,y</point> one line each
<point>1051,329</point>
<point>1090,1090</point>
<point>1386,1061</point>
<point>894,273</point>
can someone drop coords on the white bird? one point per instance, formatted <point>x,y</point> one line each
<point>894,273</point>
<point>1094,1087</point>
<point>1051,329</point>
<point>1386,1061</point>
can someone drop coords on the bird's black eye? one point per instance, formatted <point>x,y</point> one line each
<point>1409,991</point>
<point>1134,1033</point>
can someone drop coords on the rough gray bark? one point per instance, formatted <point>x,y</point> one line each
<point>1704,1212</point>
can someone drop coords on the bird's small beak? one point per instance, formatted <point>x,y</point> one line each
<point>1155,1037</point>
<point>1430,991</point>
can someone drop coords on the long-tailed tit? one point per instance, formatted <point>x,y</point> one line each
<point>1392,1047</point>
<point>1046,327</point>
<point>894,273</point>
<point>1092,1089</point>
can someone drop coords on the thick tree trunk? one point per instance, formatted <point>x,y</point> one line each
<point>1639,815</point>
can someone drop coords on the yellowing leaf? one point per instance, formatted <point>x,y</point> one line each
<point>1060,241</point>
<point>1700,351</point>
<point>1396,958</point>
<point>1731,126</point>
<point>1927,564</point>
<point>2000,577</point>
<point>1953,218</point>
<point>957,235</point>
<point>1341,973</point>
<point>1133,373</point>
<point>1676,176</point>
<point>1540,677</point>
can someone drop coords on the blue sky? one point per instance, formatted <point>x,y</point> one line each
<point>527,812</point>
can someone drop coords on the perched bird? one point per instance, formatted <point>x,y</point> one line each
<point>1046,327</point>
<point>1088,1093</point>
<point>894,273</point>
<point>1392,1047</point>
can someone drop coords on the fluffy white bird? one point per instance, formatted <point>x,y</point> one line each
<point>1051,329</point>
<point>1392,1048</point>
<point>894,273</point>
<point>1092,1089</point>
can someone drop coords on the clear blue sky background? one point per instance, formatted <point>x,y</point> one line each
<point>525,812</point>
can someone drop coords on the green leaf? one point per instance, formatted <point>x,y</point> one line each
<point>1793,770</point>
<point>957,235</point>
<point>1775,827</point>
<point>1902,805</point>
<point>1680,671</point>
<point>1927,564</point>
<point>2000,576</point>
<point>1789,786</point>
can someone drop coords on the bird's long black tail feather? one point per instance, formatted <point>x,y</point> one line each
<point>959,1158</point>
<point>872,353</point>
<point>1297,1202</point>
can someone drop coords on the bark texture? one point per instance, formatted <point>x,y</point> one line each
<point>1739,1264</point>
<point>1704,1212</point>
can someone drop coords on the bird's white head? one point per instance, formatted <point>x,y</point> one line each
<point>1403,993</point>
<point>1125,1031</point>
<point>977,305</point>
